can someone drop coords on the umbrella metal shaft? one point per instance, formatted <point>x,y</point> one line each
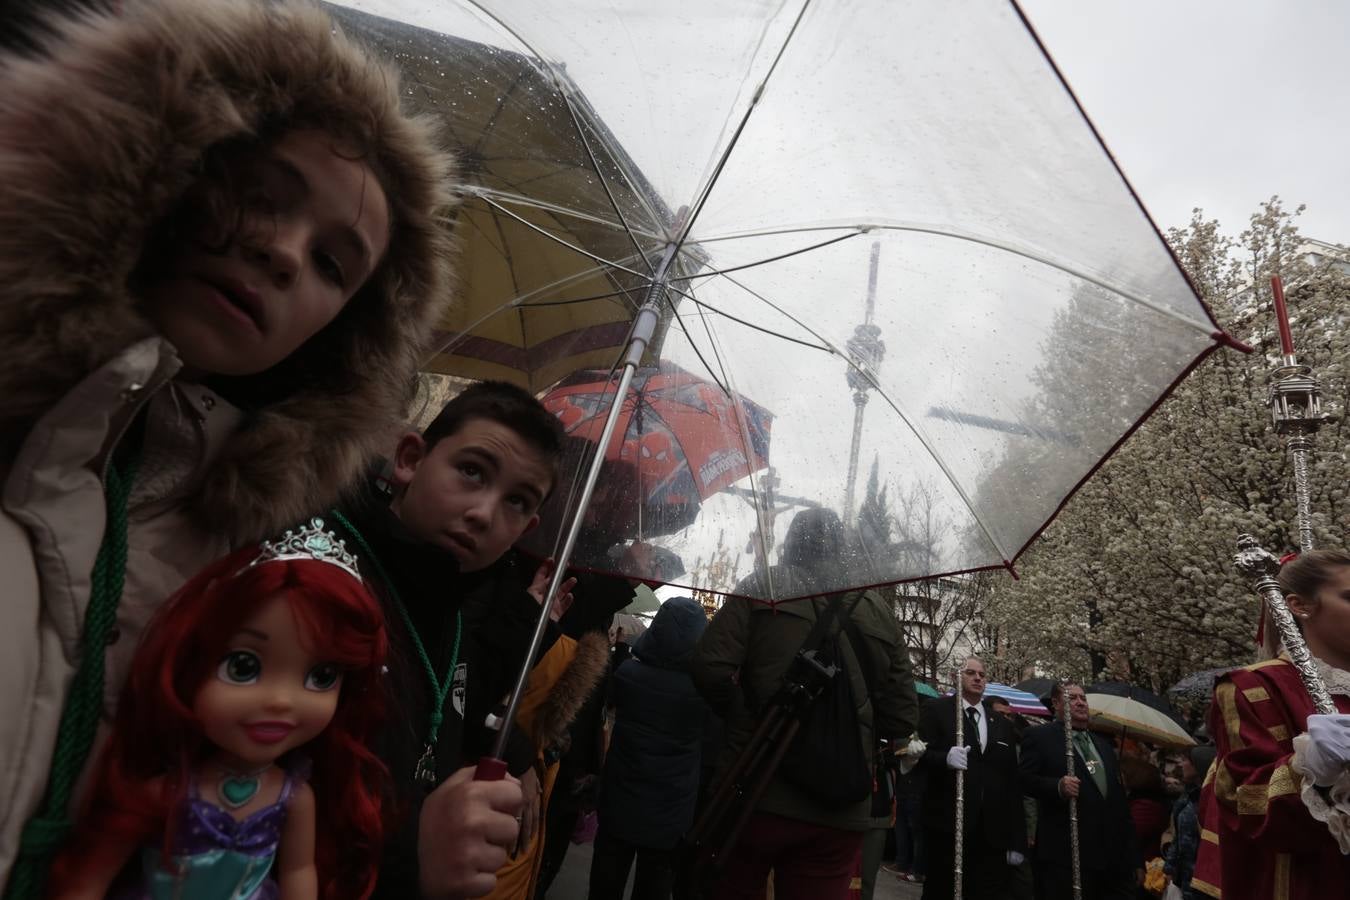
<point>644,326</point>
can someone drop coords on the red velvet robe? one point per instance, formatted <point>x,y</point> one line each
<point>1258,840</point>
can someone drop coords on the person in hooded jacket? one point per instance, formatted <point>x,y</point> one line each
<point>222,246</point>
<point>650,781</point>
<point>741,663</point>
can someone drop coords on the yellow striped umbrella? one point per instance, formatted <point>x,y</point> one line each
<point>1130,718</point>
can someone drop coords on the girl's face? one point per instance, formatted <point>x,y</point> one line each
<point>1327,620</point>
<point>314,226</point>
<point>268,694</point>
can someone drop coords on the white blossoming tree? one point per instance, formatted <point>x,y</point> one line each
<point>1135,578</point>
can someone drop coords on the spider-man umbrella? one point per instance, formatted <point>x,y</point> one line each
<point>681,438</point>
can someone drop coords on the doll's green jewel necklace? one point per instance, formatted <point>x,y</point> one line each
<point>425,772</point>
<point>235,789</point>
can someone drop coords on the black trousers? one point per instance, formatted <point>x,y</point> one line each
<point>612,859</point>
<point>559,823</point>
<point>985,873</point>
<point>1055,882</point>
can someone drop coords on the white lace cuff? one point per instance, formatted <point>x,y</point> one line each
<point>1331,806</point>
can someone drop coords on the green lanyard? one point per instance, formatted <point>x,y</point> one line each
<point>44,833</point>
<point>426,765</point>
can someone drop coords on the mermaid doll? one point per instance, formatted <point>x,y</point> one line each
<point>245,720</point>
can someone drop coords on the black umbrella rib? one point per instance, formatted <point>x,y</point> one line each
<point>751,265</point>
<point>501,250</point>
<point>604,182</point>
<point>994,244</point>
<point>679,320</point>
<point>553,237</point>
<point>581,135</point>
<point>740,128</point>
<point>612,294</point>
<point>894,405</point>
<point>521,198</point>
<point>747,445</point>
<point>751,325</point>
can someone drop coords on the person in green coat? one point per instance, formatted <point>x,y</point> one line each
<point>740,664</point>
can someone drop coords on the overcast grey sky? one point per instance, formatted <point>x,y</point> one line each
<point>1215,104</point>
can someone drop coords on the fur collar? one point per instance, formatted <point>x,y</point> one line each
<point>581,677</point>
<point>98,140</point>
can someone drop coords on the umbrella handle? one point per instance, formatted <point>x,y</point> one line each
<point>490,769</point>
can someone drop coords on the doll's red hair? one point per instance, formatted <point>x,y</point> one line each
<point>156,734</point>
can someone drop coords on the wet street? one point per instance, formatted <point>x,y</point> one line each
<point>571,881</point>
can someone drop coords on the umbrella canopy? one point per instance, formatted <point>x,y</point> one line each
<point>645,603</point>
<point>1021,701</point>
<point>1111,714</point>
<point>924,689</point>
<point>1041,687</point>
<point>887,222</point>
<point>1134,692</point>
<point>680,436</point>
<point>547,274</point>
<point>1197,688</point>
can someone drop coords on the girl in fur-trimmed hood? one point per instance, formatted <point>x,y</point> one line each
<point>221,246</point>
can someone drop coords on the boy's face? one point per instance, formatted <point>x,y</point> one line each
<point>314,226</point>
<point>475,493</point>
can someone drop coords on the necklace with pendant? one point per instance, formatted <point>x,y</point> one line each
<point>425,770</point>
<point>236,789</point>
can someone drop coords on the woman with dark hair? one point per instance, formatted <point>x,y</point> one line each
<point>1277,803</point>
<point>1179,863</point>
<point>1148,804</point>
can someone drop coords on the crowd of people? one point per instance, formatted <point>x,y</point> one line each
<point>259,635</point>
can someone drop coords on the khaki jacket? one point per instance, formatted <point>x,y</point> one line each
<point>99,140</point>
<point>51,524</point>
<point>747,650</point>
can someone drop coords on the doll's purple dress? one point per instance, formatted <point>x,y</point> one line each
<point>217,857</point>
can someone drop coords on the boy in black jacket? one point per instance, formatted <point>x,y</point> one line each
<point>464,491</point>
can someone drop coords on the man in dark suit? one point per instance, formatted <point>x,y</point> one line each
<point>994,833</point>
<point>1106,839</point>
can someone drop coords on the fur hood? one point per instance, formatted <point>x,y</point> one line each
<point>578,681</point>
<point>100,138</point>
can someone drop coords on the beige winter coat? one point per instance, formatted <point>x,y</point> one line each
<point>98,140</point>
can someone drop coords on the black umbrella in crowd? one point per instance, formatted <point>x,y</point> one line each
<point>1041,687</point>
<point>1197,688</point>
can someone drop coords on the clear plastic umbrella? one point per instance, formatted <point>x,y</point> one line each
<point>887,223</point>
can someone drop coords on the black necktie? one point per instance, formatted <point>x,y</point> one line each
<point>973,727</point>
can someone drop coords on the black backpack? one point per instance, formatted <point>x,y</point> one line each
<point>827,760</point>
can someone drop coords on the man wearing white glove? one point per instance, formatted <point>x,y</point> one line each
<point>1108,849</point>
<point>986,762</point>
<point>958,758</point>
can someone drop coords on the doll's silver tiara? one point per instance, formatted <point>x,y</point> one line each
<point>310,541</point>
